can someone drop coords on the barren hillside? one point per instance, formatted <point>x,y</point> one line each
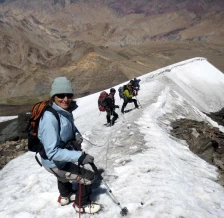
<point>109,41</point>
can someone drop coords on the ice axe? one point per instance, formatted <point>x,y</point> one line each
<point>124,210</point>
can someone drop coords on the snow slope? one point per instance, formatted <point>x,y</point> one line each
<point>151,173</point>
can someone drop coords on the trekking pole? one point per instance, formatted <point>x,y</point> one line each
<point>124,210</point>
<point>138,101</point>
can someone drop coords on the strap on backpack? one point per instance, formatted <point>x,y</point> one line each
<point>38,160</point>
<point>53,111</point>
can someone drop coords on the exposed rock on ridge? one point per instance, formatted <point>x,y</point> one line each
<point>205,141</point>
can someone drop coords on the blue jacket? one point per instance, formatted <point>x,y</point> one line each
<point>48,133</point>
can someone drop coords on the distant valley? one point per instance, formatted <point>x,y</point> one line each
<point>98,44</point>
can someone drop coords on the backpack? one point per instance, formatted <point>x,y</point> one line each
<point>102,101</point>
<point>135,83</point>
<point>37,112</point>
<point>121,92</point>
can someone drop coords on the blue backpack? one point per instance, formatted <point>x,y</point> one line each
<point>121,92</point>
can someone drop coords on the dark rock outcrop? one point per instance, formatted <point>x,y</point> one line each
<point>13,138</point>
<point>218,116</point>
<point>204,140</point>
<point>14,130</point>
<point>8,130</point>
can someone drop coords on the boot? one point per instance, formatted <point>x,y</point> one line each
<point>90,208</point>
<point>113,120</point>
<point>66,200</point>
<point>136,104</point>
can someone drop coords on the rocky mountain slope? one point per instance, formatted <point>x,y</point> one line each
<point>109,41</point>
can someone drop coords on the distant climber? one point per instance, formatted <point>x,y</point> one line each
<point>110,108</point>
<point>128,97</point>
<point>135,85</point>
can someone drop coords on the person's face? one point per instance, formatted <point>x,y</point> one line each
<point>63,100</point>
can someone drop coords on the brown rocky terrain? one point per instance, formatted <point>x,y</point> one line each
<point>107,40</point>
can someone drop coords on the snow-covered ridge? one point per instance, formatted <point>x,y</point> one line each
<point>170,68</point>
<point>149,172</point>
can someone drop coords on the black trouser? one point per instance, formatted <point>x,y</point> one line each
<point>109,114</point>
<point>65,187</point>
<point>129,100</point>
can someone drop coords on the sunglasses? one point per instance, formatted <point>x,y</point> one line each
<point>62,96</point>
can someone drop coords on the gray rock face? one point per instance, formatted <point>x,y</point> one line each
<point>13,139</point>
<point>8,130</point>
<point>13,130</point>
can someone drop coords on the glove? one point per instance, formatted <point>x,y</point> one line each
<point>85,159</point>
<point>78,138</point>
<point>116,106</point>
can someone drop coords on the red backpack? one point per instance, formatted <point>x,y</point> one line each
<point>102,101</point>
